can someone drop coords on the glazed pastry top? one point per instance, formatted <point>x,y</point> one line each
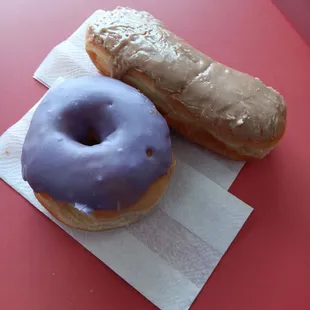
<point>95,142</point>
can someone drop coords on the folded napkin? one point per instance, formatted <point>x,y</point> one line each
<point>169,255</point>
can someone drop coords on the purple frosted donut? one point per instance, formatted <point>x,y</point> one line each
<point>95,142</point>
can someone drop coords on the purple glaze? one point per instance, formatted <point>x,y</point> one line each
<point>110,175</point>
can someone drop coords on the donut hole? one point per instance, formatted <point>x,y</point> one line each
<point>91,138</point>
<point>149,152</point>
<point>87,124</point>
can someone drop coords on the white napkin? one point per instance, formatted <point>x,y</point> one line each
<point>169,255</point>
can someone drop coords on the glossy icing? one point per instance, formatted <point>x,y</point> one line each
<point>136,39</point>
<point>133,144</point>
<point>233,106</point>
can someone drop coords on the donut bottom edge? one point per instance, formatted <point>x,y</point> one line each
<point>100,220</point>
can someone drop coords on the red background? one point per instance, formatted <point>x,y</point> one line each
<point>267,267</point>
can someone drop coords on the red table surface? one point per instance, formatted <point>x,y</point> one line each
<point>267,267</point>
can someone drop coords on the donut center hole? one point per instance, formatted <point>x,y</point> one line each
<point>91,138</point>
<point>149,153</point>
<point>87,123</point>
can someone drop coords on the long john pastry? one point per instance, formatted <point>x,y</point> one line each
<point>217,107</point>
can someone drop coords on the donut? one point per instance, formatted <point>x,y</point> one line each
<point>217,107</point>
<point>97,153</point>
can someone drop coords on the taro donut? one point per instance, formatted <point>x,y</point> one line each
<point>97,153</point>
